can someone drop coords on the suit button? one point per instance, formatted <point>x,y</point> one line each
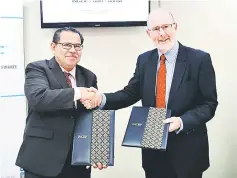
<point>72,117</point>
<point>70,134</point>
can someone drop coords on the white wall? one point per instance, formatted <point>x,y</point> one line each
<point>111,53</point>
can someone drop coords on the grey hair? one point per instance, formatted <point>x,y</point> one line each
<point>171,15</point>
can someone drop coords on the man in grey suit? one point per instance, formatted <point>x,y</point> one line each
<point>53,89</point>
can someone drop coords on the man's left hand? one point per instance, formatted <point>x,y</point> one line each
<point>175,123</point>
<point>99,166</point>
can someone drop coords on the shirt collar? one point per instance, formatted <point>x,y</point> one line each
<point>171,55</point>
<point>72,72</point>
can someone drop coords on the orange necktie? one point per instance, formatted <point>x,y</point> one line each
<point>161,84</point>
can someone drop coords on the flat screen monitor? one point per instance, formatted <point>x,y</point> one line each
<point>93,13</point>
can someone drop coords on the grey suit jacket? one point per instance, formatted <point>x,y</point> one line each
<point>51,116</point>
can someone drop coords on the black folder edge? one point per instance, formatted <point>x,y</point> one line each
<point>166,131</point>
<point>129,123</point>
<point>112,136</point>
<point>77,125</point>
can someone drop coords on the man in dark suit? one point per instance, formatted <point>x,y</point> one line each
<point>53,89</point>
<point>179,78</point>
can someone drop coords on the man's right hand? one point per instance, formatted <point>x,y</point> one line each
<point>87,94</point>
<point>90,97</point>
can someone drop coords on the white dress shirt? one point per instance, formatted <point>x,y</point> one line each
<point>72,77</point>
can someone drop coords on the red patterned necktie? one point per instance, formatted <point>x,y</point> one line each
<point>68,79</point>
<point>161,84</point>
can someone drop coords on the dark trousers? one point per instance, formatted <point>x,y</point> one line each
<point>154,174</point>
<point>165,169</point>
<point>68,171</point>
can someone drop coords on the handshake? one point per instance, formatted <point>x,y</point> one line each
<point>90,97</point>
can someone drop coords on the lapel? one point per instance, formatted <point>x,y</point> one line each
<point>151,71</point>
<point>81,82</point>
<point>80,77</point>
<point>179,70</point>
<point>58,73</point>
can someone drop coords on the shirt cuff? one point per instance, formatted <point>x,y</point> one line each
<point>77,94</point>
<point>102,104</point>
<point>181,126</point>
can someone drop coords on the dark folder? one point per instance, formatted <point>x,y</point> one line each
<point>93,140</point>
<point>146,129</point>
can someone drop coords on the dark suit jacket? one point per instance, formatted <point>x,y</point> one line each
<point>193,97</point>
<point>51,116</point>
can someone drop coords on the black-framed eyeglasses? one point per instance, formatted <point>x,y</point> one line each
<point>68,46</point>
<point>165,27</point>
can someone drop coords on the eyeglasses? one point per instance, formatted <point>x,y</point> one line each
<point>68,46</point>
<point>165,28</point>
